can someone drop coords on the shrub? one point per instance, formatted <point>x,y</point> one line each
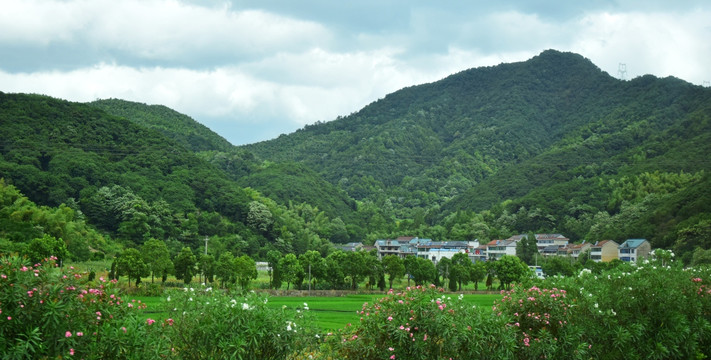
<point>422,323</point>
<point>214,324</point>
<point>46,311</point>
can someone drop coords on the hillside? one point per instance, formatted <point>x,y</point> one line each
<point>179,127</point>
<point>546,144</point>
<point>133,183</point>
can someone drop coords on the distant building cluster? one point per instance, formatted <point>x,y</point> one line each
<point>631,250</point>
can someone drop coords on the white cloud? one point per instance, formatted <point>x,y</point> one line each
<point>662,44</point>
<point>155,29</point>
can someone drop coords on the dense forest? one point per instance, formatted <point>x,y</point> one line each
<point>552,144</point>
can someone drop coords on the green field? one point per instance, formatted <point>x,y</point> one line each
<point>330,313</point>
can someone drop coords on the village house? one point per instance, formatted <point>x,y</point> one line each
<point>634,249</point>
<point>574,250</point>
<point>495,249</point>
<point>604,251</point>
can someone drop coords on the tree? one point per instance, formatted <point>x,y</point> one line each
<point>510,269</point>
<point>131,264</point>
<point>44,247</point>
<point>225,268</point>
<point>422,271</point>
<point>477,272</point>
<point>245,270</point>
<point>291,270</point>
<point>313,264</point>
<point>355,265</point>
<point>527,249</point>
<point>444,267</point>
<point>185,265</point>
<point>459,273</point>
<point>335,275</point>
<point>206,267</point>
<point>394,267</point>
<point>156,256</point>
<point>273,258</point>
<point>557,265</point>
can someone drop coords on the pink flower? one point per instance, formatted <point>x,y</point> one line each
<point>393,356</point>
<point>390,318</point>
<point>425,338</point>
<point>150,321</point>
<point>124,329</point>
<point>71,351</point>
<point>68,334</point>
<point>9,317</point>
<point>79,333</point>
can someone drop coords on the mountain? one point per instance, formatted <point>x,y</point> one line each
<point>550,144</point>
<point>132,182</point>
<point>179,127</point>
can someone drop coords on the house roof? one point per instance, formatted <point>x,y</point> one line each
<point>603,243</point>
<point>632,243</point>
<point>550,249</point>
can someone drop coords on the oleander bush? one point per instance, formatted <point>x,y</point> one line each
<point>47,311</point>
<point>423,323</point>
<point>215,324</point>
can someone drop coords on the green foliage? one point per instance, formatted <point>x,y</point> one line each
<point>130,263</point>
<point>422,323</point>
<point>156,256</point>
<point>218,325</point>
<point>510,269</point>
<point>181,128</point>
<point>48,312</point>
<point>291,270</point>
<point>246,270</point>
<point>184,265</point>
<point>45,247</point>
<point>394,267</point>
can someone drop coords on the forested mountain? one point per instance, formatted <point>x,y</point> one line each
<point>133,183</point>
<point>549,144</point>
<point>179,127</point>
<point>552,144</point>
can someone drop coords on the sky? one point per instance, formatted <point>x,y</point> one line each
<point>252,70</point>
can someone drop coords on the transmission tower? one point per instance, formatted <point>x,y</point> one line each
<point>622,71</point>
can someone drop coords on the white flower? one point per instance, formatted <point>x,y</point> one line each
<point>596,306</point>
<point>190,299</point>
<point>245,306</point>
<point>168,299</point>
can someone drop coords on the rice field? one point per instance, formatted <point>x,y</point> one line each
<point>330,313</point>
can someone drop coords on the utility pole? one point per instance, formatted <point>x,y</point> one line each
<point>206,239</point>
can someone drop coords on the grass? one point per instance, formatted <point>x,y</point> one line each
<point>330,313</point>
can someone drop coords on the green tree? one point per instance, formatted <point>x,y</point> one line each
<point>44,247</point>
<point>527,249</point>
<point>131,264</point>
<point>273,258</point>
<point>557,265</point>
<point>291,270</point>
<point>184,265</point>
<point>313,264</point>
<point>335,274</point>
<point>510,269</point>
<point>206,267</point>
<point>225,268</point>
<point>422,271</point>
<point>460,271</point>
<point>355,265</point>
<point>477,272</point>
<point>156,256</point>
<point>394,267</point>
<point>245,270</point>
<point>444,267</point>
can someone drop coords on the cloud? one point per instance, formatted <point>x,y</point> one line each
<point>260,69</point>
<point>158,30</point>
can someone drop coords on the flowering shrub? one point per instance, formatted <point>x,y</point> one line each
<point>46,311</point>
<point>541,318</point>
<point>644,312</point>
<point>214,324</point>
<point>423,323</point>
